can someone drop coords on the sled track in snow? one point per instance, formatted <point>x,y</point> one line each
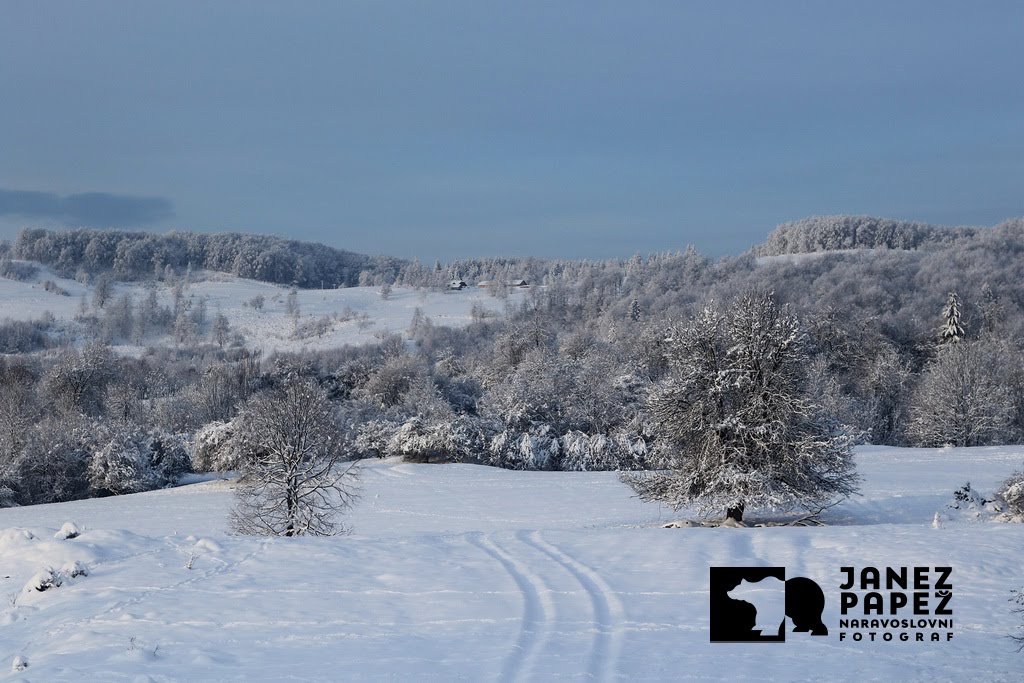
<point>538,611</point>
<point>608,612</point>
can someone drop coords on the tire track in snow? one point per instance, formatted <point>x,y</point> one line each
<point>608,611</point>
<point>538,611</point>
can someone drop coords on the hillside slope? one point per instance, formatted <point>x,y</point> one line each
<point>356,315</point>
<point>461,572</point>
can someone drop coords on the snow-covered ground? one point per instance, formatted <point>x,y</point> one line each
<point>359,314</point>
<point>461,572</point>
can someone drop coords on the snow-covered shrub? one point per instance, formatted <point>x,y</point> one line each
<point>1011,494</point>
<point>455,439</point>
<point>122,466</point>
<point>313,327</point>
<point>214,449</point>
<point>584,452</point>
<point>967,505</point>
<point>633,451</point>
<point>536,450</point>
<point>373,438</point>
<point>44,580</point>
<point>53,465</point>
<point>595,452</point>
<point>168,457</point>
<point>134,461</point>
<point>74,569</point>
<point>67,531</point>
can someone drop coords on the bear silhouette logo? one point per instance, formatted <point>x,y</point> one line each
<point>751,604</point>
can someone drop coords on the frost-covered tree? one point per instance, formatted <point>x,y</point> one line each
<point>220,330</point>
<point>295,481</point>
<point>77,380</point>
<point>952,330</point>
<point>103,290</point>
<point>963,398</point>
<point>736,428</point>
<point>291,303</point>
<point>185,328</point>
<point>992,311</point>
<point>634,310</point>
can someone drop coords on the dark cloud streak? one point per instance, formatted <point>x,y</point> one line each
<point>97,209</point>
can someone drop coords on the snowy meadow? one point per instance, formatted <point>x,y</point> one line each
<point>462,572</point>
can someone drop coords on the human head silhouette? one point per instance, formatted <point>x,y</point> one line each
<point>805,602</point>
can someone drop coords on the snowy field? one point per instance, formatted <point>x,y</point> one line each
<point>359,314</point>
<point>461,572</point>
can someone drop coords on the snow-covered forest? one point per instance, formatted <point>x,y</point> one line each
<point>900,334</point>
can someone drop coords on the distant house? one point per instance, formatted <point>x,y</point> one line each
<point>457,284</point>
<point>510,283</point>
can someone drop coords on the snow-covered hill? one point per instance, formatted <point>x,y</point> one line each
<point>358,314</point>
<point>461,572</point>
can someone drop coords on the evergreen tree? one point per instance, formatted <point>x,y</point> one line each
<point>952,330</point>
<point>634,310</point>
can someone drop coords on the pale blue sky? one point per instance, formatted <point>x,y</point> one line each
<point>450,129</point>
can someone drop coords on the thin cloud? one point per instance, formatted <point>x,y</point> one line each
<point>86,208</point>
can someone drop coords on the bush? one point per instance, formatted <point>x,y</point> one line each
<point>213,449</point>
<point>51,286</point>
<point>53,466</point>
<point>135,461</point>
<point>373,438</point>
<point>1012,493</point>
<point>23,336</point>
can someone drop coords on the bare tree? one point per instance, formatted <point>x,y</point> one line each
<point>221,329</point>
<point>295,481</point>
<point>291,304</point>
<point>103,291</point>
<point>964,398</point>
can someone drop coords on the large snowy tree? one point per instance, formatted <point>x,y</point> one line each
<point>965,397</point>
<point>736,428</point>
<point>294,479</point>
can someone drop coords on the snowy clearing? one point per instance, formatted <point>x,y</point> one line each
<point>461,572</point>
<point>359,314</point>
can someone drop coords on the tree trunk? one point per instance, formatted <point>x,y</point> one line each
<point>735,514</point>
